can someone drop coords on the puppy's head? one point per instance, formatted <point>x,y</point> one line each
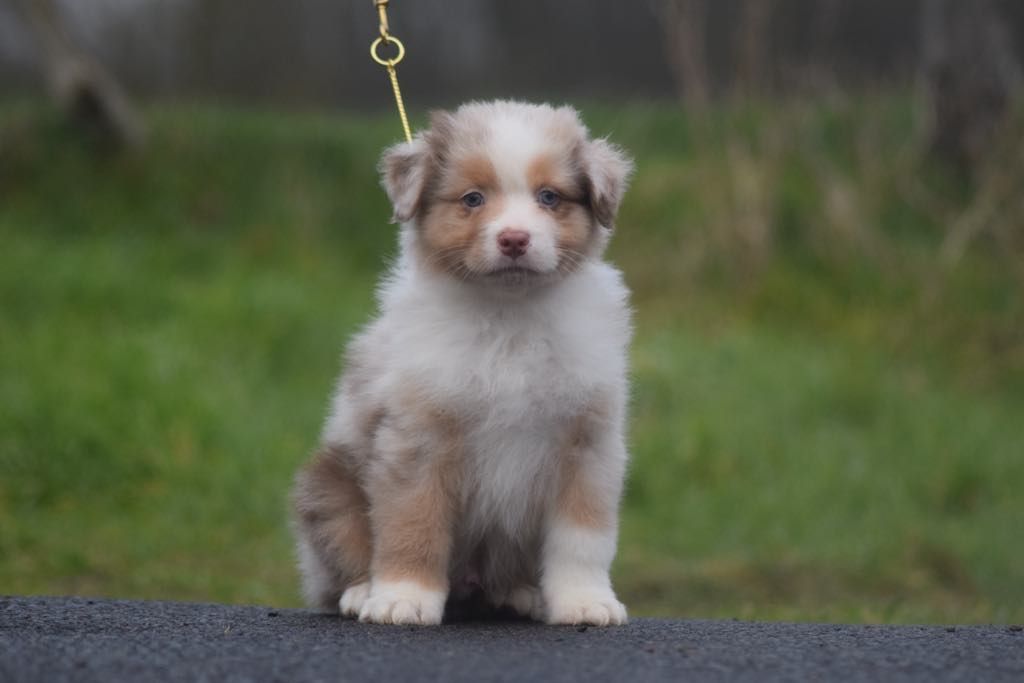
<point>506,193</point>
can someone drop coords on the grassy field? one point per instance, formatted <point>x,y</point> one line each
<point>828,415</point>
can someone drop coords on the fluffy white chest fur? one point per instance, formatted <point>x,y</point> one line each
<point>514,372</point>
<point>475,444</point>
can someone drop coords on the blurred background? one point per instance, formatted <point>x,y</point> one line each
<point>825,239</point>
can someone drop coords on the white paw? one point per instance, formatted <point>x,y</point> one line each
<point>598,607</point>
<point>403,602</point>
<point>353,599</point>
<point>527,602</point>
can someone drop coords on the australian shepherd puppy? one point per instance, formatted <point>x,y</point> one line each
<point>475,443</point>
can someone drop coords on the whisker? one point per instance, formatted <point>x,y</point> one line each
<point>446,258</point>
<point>569,259</point>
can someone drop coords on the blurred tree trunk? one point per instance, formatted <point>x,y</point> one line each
<point>88,94</point>
<point>685,27</point>
<point>752,46</point>
<point>970,72</point>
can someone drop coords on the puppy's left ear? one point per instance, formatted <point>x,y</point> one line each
<point>608,170</point>
<point>403,172</point>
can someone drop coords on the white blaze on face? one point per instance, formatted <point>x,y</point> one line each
<point>513,146</point>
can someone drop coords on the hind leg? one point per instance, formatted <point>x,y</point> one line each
<point>525,600</point>
<point>335,544</point>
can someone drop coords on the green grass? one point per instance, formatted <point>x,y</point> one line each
<point>826,424</point>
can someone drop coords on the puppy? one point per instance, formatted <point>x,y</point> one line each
<point>475,443</point>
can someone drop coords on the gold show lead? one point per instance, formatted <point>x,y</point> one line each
<point>390,64</point>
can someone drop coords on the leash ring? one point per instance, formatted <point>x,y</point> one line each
<point>389,40</point>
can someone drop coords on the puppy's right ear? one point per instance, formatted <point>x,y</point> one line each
<point>403,171</point>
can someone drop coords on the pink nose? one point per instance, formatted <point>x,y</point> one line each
<point>513,243</point>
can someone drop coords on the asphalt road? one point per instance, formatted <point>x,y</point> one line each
<point>75,639</point>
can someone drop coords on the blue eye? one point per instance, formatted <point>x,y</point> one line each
<point>548,198</point>
<point>473,199</point>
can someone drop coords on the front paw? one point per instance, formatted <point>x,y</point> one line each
<point>403,602</point>
<point>582,605</point>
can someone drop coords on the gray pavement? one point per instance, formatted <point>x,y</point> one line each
<point>75,639</point>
